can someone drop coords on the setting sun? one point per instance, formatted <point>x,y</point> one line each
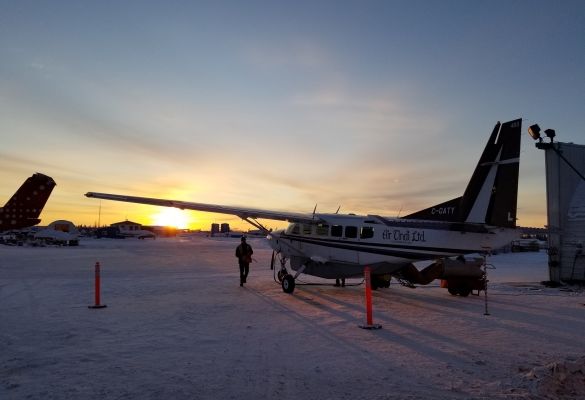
<point>171,217</point>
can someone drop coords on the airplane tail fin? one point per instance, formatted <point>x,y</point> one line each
<point>492,192</point>
<point>25,206</point>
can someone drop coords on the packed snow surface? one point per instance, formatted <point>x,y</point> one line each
<point>178,326</point>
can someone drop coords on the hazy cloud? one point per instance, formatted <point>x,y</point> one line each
<point>291,52</point>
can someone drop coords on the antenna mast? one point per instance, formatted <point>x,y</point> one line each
<point>100,215</point>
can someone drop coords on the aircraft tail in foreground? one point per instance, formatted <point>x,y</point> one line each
<point>25,206</point>
<point>492,192</point>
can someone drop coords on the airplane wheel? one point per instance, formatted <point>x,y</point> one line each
<point>452,291</point>
<point>281,274</point>
<point>464,291</point>
<point>288,283</point>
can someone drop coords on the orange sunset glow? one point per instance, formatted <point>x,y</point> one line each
<point>266,117</point>
<point>172,217</point>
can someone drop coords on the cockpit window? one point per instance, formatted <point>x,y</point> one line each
<point>336,230</point>
<point>367,232</point>
<point>351,231</point>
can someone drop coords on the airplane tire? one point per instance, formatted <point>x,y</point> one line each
<point>464,291</point>
<point>281,274</point>
<point>453,291</point>
<point>288,284</point>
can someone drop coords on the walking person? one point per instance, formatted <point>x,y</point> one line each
<point>244,254</point>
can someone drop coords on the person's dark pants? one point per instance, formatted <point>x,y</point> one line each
<point>244,269</point>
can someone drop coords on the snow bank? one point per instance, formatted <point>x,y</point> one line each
<point>564,379</point>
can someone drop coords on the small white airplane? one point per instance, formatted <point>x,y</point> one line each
<point>57,232</point>
<point>342,246</point>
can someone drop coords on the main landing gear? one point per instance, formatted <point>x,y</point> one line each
<point>462,291</point>
<point>380,281</point>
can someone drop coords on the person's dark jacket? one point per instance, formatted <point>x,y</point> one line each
<point>244,253</point>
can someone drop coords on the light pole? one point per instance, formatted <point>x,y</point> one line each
<point>534,132</point>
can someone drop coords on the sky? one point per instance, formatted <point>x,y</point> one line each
<point>378,107</point>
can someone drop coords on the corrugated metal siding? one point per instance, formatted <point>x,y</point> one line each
<point>572,256</point>
<point>564,193</point>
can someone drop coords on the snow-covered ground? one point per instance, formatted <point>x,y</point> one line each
<point>179,326</point>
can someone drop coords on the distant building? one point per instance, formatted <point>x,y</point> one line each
<point>127,226</point>
<point>110,232</point>
<point>132,229</point>
<point>214,229</point>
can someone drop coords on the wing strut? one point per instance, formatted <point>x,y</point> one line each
<point>257,224</point>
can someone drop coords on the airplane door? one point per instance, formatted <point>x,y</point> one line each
<point>350,238</point>
<point>321,234</point>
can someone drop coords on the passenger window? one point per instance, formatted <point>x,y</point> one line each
<point>336,230</point>
<point>296,229</point>
<point>307,229</point>
<point>351,232</point>
<point>367,232</point>
<point>322,230</point>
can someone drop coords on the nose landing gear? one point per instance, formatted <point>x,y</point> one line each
<point>286,280</point>
<point>288,283</point>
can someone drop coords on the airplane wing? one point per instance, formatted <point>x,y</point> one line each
<point>242,212</point>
